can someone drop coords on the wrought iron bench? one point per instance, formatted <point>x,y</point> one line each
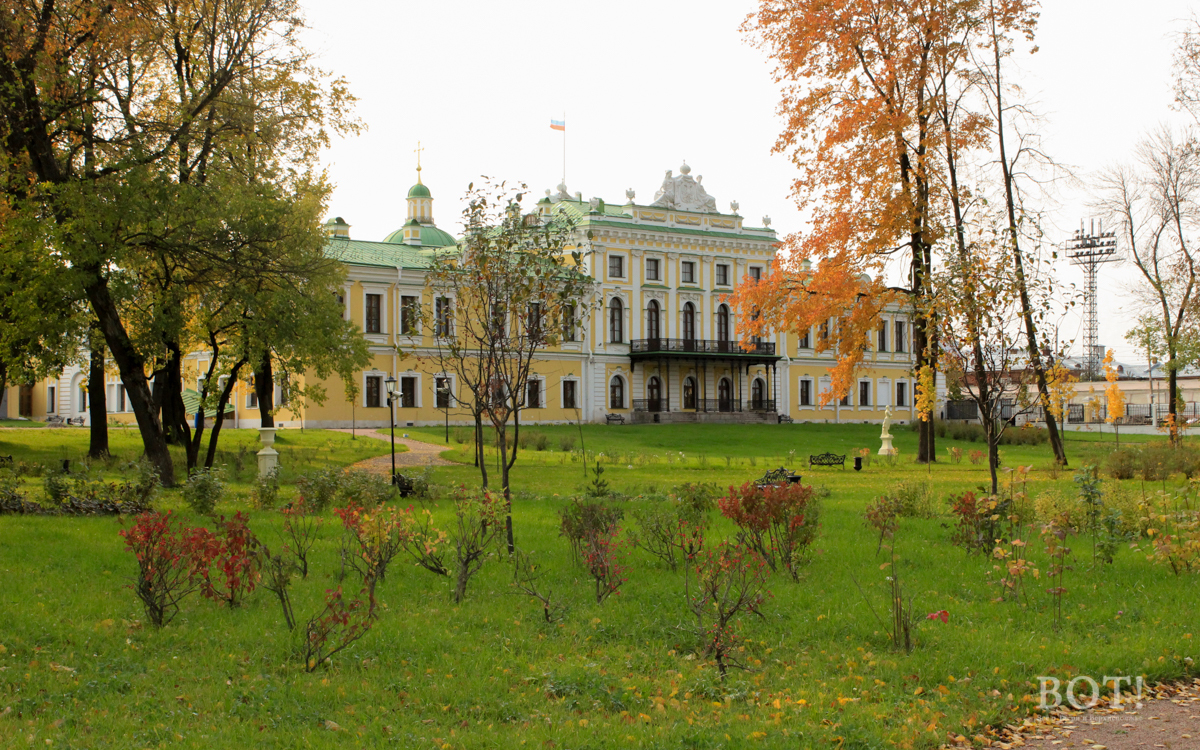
<point>827,459</point>
<point>776,477</point>
<point>614,418</point>
<point>785,419</point>
<point>403,484</point>
<point>78,421</point>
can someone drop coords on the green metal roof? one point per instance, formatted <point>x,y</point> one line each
<point>382,254</point>
<point>191,403</point>
<point>581,211</point>
<point>431,236</point>
<point>418,191</point>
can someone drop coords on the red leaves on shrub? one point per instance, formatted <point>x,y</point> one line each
<point>777,521</point>
<point>338,625</point>
<point>730,581</point>
<point>172,562</point>
<point>234,563</point>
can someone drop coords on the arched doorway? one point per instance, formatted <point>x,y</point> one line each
<point>616,321</point>
<point>654,394</point>
<point>689,392</point>
<point>653,320</point>
<point>758,390</point>
<point>724,395</point>
<point>689,326</point>
<point>616,393</point>
<point>723,327</point>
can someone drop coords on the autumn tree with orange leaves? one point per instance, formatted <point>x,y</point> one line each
<point>863,83</point>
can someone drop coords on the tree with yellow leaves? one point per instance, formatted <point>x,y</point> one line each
<point>1114,394</point>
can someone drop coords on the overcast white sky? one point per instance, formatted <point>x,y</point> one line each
<point>646,84</point>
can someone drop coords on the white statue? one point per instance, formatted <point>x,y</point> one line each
<point>562,194</point>
<point>685,193</point>
<point>594,204</point>
<point>767,221</point>
<point>886,436</point>
<point>733,206</point>
<point>629,195</point>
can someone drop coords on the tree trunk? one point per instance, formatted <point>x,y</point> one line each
<point>504,467</point>
<point>1035,353</point>
<point>131,365</point>
<point>174,412</point>
<point>97,404</point>
<point>226,392</point>
<point>264,389</point>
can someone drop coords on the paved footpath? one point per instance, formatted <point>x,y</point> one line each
<point>418,453</point>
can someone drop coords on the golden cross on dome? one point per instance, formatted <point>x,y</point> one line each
<point>418,151</point>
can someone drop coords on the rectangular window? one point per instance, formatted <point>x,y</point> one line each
<point>845,400</point>
<point>756,273</point>
<point>806,393</point>
<point>442,388</point>
<point>251,399</point>
<point>51,399</point>
<point>373,317</point>
<point>533,393</point>
<point>443,316</point>
<point>285,391</point>
<point>533,324</point>
<point>883,336</point>
<point>804,342</point>
<point>408,393</point>
<point>722,274</point>
<point>498,315</point>
<point>120,397</point>
<point>568,394</point>
<point>901,342</point>
<point>687,273</point>
<point>408,315</point>
<point>568,323</point>
<point>864,394</point>
<point>374,387</point>
<point>652,270</point>
<point>616,266</point>
<point>901,394</point>
<point>83,401</point>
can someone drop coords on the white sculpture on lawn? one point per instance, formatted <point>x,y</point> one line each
<point>886,435</point>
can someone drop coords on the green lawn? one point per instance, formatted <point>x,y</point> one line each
<point>79,669</point>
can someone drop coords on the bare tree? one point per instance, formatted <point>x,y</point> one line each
<point>510,291</point>
<point>1155,205</point>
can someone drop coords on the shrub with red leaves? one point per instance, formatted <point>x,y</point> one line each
<point>235,563</point>
<point>173,562</point>
<point>338,625</point>
<point>603,556</point>
<point>730,580</point>
<point>777,521</point>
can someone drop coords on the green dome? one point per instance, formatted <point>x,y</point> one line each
<point>418,191</point>
<point>430,237</point>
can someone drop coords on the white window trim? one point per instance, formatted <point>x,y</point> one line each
<point>870,406</point>
<point>418,395</point>
<point>626,395</point>
<point>717,277</point>
<point>382,388</point>
<point>453,314</point>
<point>812,393</point>
<point>382,291</point>
<point>416,334</point>
<point>624,265</point>
<point>695,281</point>
<point>883,393</point>
<point>562,402</point>
<point>908,393</point>
<point>646,269</point>
<point>541,381</point>
<point>453,388</point>
<point>52,398</point>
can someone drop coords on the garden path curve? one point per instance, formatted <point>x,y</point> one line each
<point>418,453</point>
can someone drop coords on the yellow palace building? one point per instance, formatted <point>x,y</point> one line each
<point>657,343</point>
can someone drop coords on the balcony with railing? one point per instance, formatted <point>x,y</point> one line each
<point>701,346</point>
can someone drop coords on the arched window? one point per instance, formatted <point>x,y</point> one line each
<point>689,322</point>
<point>616,321</point>
<point>724,395</point>
<point>757,394</point>
<point>653,319</point>
<point>616,393</point>
<point>723,323</point>
<point>654,394</point>
<point>689,393</point>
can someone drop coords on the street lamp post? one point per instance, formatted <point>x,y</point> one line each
<point>445,392</point>
<point>391,400</point>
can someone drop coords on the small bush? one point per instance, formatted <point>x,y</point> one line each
<point>235,562</point>
<point>566,443</point>
<point>264,495</point>
<point>1122,464</point>
<point>365,488</point>
<point>778,522</point>
<point>338,625</point>
<point>914,499</point>
<point>172,562</point>
<point>580,521</point>
<point>319,489</point>
<point>461,435</point>
<point>730,581</point>
<point>58,486</point>
<point>204,489</point>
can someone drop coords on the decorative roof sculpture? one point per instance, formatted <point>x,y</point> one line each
<point>684,193</point>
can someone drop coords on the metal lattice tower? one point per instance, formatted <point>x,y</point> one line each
<point>1088,250</point>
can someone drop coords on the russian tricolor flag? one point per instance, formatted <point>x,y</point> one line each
<point>558,125</point>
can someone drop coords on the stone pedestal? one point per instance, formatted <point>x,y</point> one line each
<point>268,457</point>
<point>886,448</point>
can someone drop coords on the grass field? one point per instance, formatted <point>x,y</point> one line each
<point>79,668</point>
